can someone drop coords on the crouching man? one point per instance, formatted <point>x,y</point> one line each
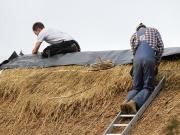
<point>147,48</point>
<point>60,43</point>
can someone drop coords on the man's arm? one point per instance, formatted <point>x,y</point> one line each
<point>160,46</point>
<point>134,43</point>
<point>36,48</point>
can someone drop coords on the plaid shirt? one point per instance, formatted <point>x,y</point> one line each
<point>153,38</point>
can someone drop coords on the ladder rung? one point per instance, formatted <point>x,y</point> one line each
<point>127,115</point>
<point>113,134</point>
<point>120,125</point>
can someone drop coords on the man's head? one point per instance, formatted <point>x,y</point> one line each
<point>37,27</point>
<point>141,25</point>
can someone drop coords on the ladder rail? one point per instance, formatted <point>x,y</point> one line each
<point>111,125</point>
<point>139,113</point>
<point>144,107</point>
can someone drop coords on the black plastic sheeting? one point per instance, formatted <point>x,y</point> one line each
<point>13,56</point>
<point>80,58</point>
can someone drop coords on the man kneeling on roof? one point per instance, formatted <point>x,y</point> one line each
<point>147,48</point>
<point>60,43</point>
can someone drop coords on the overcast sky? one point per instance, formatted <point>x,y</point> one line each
<point>95,24</point>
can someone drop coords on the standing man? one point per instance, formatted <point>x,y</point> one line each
<point>147,47</point>
<point>60,42</point>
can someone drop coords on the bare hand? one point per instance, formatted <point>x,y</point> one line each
<point>34,51</point>
<point>156,69</point>
<point>36,48</point>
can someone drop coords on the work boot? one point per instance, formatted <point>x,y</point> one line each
<point>129,107</point>
<point>123,107</point>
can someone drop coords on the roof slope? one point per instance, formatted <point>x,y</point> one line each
<point>73,100</point>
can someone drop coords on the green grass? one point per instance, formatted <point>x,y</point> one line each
<point>173,127</point>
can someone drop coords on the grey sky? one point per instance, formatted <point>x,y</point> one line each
<point>95,24</point>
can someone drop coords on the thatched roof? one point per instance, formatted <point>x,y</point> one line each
<point>73,100</point>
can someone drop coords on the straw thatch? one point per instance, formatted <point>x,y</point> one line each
<point>73,100</point>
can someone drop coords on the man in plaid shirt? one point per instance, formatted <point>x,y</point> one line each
<point>152,37</point>
<point>147,48</point>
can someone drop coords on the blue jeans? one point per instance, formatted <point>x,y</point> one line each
<point>143,74</point>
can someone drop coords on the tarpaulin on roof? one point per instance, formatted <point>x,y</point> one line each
<point>78,58</point>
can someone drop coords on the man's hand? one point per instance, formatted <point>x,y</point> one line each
<point>36,48</point>
<point>34,51</point>
<point>156,69</point>
<point>131,71</point>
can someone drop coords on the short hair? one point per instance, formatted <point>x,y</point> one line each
<point>140,26</point>
<point>37,25</point>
